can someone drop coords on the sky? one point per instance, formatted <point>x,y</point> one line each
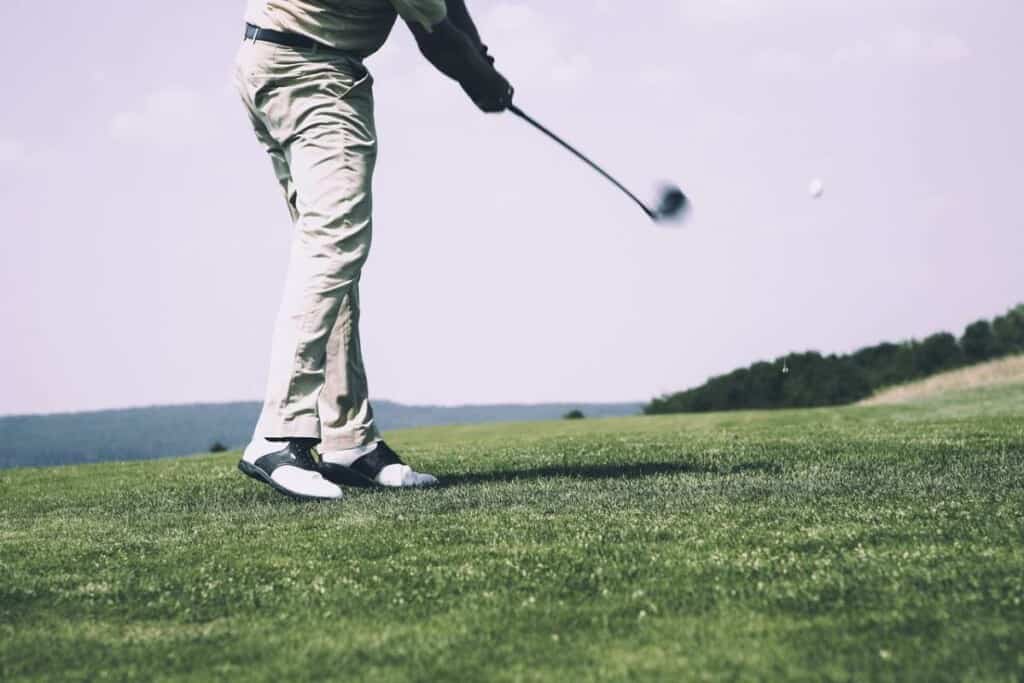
<point>146,239</point>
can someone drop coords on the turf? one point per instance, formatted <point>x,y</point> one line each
<point>864,543</point>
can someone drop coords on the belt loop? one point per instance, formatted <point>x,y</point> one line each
<point>316,47</point>
<point>255,35</point>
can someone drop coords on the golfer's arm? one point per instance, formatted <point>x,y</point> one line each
<point>459,16</point>
<point>452,51</point>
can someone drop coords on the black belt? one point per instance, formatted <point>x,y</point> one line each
<point>267,35</point>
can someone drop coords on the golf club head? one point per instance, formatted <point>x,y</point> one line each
<point>672,205</point>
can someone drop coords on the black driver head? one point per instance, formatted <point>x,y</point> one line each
<point>672,204</point>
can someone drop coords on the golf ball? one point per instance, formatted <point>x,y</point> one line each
<point>816,188</point>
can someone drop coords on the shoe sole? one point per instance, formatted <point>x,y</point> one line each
<point>259,475</point>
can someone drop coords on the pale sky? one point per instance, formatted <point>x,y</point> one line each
<point>146,239</point>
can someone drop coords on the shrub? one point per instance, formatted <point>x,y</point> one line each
<point>574,415</point>
<point>217,447</point>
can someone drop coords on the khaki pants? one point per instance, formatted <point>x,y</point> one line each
<point>314,115</point>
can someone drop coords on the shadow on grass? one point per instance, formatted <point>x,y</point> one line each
<point>627,471</point>
<point>592,472</point>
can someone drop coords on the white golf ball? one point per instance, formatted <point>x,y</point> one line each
<point>816,188</point>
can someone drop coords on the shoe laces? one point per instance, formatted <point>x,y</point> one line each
<point>302,451</point>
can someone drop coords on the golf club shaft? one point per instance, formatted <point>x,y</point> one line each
<point>521,114</point>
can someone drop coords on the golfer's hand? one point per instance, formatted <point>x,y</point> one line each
<point>490,91</point>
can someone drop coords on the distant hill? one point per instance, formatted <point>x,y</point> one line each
<point>803,380</point>
<point>160,431</point>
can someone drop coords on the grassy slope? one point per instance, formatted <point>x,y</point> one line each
<point>871,543</point>
<point>1008,370</point>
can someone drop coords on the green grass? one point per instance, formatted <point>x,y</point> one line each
<point>880,543</point>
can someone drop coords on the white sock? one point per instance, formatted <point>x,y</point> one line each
<point>403,476</point>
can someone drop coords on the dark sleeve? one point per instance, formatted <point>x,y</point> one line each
<point>459,16</point>
<point>453,52</point>
<point>453,46</point>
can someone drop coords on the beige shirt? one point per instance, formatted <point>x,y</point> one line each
<point>359,26</point>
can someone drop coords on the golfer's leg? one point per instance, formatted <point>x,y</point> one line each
<point>273,148</point>
<point>289,467</point>
<point>346,418</point>
<point>280,164</point>
<point>351,450</point>
<point>329,144</point>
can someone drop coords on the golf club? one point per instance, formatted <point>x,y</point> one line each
<point>671,201</point>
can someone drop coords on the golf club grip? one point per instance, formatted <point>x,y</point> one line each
<point>524,116</point>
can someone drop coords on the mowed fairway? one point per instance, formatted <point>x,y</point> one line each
<point>865,543</point>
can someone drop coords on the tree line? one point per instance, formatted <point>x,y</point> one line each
<point>812,379</point>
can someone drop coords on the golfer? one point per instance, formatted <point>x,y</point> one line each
<point>309,97</point>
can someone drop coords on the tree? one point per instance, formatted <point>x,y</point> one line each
<point>217,447</point>
<point>978,342</point>
<point>1008,331</point>
<point>937,352</point>
<point>816,380</point>
<point>574,414</point>
<point>885,364</point>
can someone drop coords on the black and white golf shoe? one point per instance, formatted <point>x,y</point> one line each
<point>288,467</point>
<point>374,465</point>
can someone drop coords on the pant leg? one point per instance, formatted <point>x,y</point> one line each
<point>346,417</point>
<point>279,163</point>
<point>318,110</point>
